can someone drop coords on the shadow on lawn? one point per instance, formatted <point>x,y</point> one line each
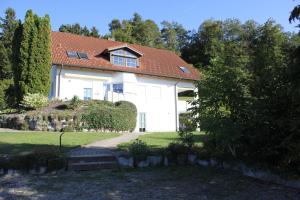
<point>23,148</point>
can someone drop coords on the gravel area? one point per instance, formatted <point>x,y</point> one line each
<point>159,183</point>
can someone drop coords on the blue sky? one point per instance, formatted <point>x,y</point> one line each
<point>190,13</point>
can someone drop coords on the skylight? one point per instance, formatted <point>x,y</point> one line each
<point>72,54</point>
<point>82,55</point>
<point>184,69</point>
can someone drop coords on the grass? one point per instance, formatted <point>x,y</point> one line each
<point>158,141</point>
<point>24,142</point>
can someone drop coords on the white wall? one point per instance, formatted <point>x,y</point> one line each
<point>153,96</point>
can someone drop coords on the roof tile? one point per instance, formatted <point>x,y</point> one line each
<point>156,62</point>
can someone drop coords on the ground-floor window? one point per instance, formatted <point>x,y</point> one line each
<point>87,94</point>
<point>118,87</point>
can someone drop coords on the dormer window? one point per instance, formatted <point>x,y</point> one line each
<point>124,56</point>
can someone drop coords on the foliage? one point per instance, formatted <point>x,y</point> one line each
<point>77,29</point>
<point>40,157</point>
<point>139,150</point>
<point>5,67</point>
<point>32,67</point>
<point>295,14</point>
<point>248,91</point>
<point>102,115</point>
<point>4,93</point>
<point>74,103</point>
<point>8,26</point>
<point>187,121</point>
<point>186,138</point>
<point>34,101</point>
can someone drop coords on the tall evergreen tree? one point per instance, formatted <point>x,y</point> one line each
<point>8,25</point>
<point>5,67</point>
<point>32,72</point>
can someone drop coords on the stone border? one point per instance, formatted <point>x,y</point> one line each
<point>128,162</point>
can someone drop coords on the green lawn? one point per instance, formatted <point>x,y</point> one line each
<point>161,140</point>
<point>23,142</point>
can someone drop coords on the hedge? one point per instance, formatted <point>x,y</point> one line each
<point>103,115</point>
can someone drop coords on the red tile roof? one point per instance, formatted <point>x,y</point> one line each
<point>155,62</point>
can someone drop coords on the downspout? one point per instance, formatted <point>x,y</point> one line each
<point>176,104</point>
<point>59,77</point>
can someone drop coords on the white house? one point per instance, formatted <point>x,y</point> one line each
<point>101,69</point>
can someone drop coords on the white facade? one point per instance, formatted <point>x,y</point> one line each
<point>156,98</point>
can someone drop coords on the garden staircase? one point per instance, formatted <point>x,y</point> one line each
<point>92,162</point>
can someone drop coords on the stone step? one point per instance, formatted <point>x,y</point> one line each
<point>91,158</point>
<point>92,166</point>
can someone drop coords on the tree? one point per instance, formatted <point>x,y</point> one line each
<point>32,69</point>
<point>78,30</point>
<point>205,44</point>
<point>5,68</point>
<point>8,26</point>
<point>174,36</point>
<point>295,14</point>
<point>114,25</point>
<point>136,30</point>
<point>94,32</point>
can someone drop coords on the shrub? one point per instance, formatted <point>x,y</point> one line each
<point>74,103</point>
<point>139,150</point>
<point>40,157</point>
<point>186,138</point>
<point>103,115</point>
<point>34,101</point>
<point>187,121</point>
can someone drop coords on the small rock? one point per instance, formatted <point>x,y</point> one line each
<point>155,160</point>
<point>142,164</point>
<point>125,162</point>
<point>213,162</point>
<point>166,161</point>
<point>203,163</point>
<point>192,158</point>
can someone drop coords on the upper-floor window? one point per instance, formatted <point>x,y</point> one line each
<point>184,69</point>
<point>122,57</point>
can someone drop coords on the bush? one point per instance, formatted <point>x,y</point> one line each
<point>139,150</point>
<point>186,138</point>
<point>74,103</point>
<point>34,101</point>
<point>186,121</point>
<point>103,115</point>
<point>40,157</point>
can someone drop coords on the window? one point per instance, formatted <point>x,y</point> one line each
<point>72,54</point>
<point>87,94</point>
<point>118,88</point>
<point>123,61</point>
<point>184,70</point>
<point>124,58</point>
<point>131,62</point>
<point>82,55</point>
<point>118,60</point>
